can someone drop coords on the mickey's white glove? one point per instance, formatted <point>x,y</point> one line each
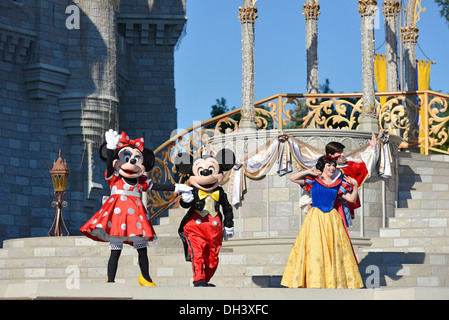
<point>112,138</point>
<point>181,188</point>
<point>228,233</point>
<point>187,197</point>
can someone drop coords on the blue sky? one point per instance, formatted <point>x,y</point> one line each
<point>208,59</point>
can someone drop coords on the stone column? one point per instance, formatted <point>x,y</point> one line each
<point>391,10</point>
<point>409,35</point>
<point>311,11</point>
<point>248,16</point>
<point>368,118</point>
<point>409,38</point>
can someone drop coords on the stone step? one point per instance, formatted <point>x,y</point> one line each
<point>243,263</point>
<point>403,281</point>
<point>254,262</point>
<point>411,241</point>
<point>178,296</point>
<point>418,222</point>
<point>422,167</point>
<point>368,256</point>
<point>427,270</point>
<point>424,195</point>
<point>47,259</point>
<point>423,204</point>
<point>406,245</point>
<point>412,181</point>
<point>416,281</point>
<point>404,269</point>
<point>253,281</point>
<point>262,281</point>
<point>414,249</point>
<point>423,249</point>
<point>401,275</point>
<point>168,226</point>
<point>417,213</point>
<point>406,157</point>
<point>128,271</point>
<point>83,251</point>
<point>423,187</point>
<point>174,217</point>
<point>427,232</point>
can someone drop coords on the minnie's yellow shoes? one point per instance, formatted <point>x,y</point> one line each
<point>145,283</point>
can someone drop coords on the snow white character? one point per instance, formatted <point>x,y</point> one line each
<point>322,255</point>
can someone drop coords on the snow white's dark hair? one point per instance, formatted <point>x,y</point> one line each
<point>322,162</point>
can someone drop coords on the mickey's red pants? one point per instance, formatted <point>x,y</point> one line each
<point>204,237</point>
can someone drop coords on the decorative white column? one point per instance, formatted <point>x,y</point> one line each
<point>368,118</point>
<point>248,16</point>
<point>311,11</point>
<point>409,38</point>
<point>391,10</point>
<point>409,35</point>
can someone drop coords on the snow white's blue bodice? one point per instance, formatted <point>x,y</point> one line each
<point>323,197</point>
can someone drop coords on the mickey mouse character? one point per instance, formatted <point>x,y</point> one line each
<point>123,218</point>
<point>201,229</point>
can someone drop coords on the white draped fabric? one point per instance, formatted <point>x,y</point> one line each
<point>284,148</point>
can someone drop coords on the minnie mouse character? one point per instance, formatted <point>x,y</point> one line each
<point>201,229</point>
<point>123,218</point>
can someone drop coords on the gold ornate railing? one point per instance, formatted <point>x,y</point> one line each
<point>421,118</point>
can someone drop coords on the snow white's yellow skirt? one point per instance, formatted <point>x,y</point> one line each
<point>322,255</point>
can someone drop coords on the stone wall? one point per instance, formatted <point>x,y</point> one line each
<point>61,87</point>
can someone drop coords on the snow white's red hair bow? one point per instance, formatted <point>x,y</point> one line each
<point>328,157</point>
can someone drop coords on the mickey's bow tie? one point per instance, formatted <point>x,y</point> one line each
<point>203,194</point>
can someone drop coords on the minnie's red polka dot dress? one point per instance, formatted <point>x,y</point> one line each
<point>123,217</point>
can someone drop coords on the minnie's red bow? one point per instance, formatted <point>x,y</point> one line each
<point>126,141</point>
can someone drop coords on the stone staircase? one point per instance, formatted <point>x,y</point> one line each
<point>413,251</point>
<point>51,259</point>
<point>243,262</point>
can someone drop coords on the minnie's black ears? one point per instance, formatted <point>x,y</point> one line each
<point>103,151</point>
<point>148,156</point>
<point>148,159</point>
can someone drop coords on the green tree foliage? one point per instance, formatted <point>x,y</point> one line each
<point>221,107</point>
<point>444,9</point>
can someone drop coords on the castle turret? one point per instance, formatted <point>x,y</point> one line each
<point>69,71</point>
<point>89,103</point>
<point>149,31</point>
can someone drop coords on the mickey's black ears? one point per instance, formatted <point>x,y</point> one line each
<point>184,163</point>
<point>226,159</point>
